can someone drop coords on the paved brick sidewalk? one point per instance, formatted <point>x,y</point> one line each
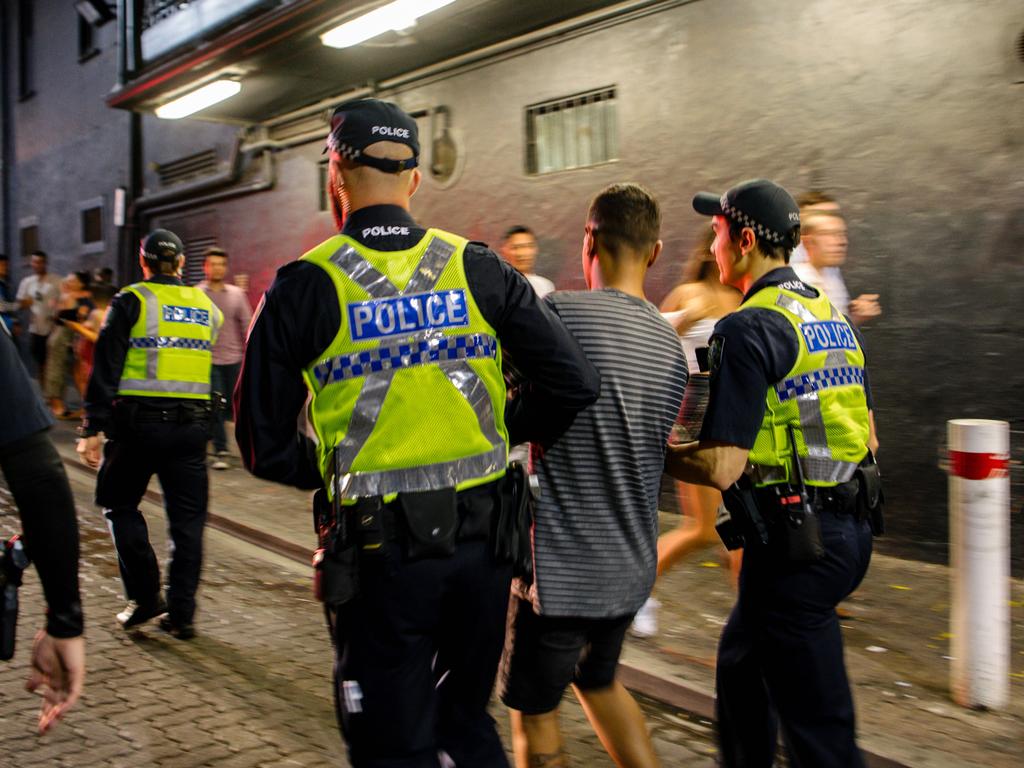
<point>252,690</point>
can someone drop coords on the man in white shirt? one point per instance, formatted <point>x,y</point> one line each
<point>519,248</point>
<point>40,294</point>
<point>824,240</point>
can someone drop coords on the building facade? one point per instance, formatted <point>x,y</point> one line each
<point>908,112</point>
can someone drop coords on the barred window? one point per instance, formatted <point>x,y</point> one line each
<point>573,132</point>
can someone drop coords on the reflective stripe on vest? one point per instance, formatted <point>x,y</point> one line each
<point>154,341</point>
<point>819,466</point>
<point>378,366</point>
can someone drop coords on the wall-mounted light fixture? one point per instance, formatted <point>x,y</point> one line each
<point>96,12</point>
<point>396,15</point>
<point>200,98</point>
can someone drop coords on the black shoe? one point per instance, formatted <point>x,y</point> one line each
<point>135,613</point>
<point>176,630</point>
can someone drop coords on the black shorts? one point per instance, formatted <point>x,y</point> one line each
<point>544,654</point>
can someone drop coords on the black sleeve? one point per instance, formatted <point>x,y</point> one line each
<point>108,360</point>
<point>285,337</point>
<point>749,351</point>
<point>867,383</point>
<point>559,380</point>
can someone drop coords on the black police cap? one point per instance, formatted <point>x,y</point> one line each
<point>162,245</point>
<point>358,123</point>
<point>760,204</point>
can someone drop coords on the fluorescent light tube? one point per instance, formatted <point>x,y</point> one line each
<point>395,15</point>
<point>201,98</point>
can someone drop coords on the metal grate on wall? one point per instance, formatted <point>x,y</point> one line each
<point>195,248</point>
<point>572,132</point>
<point>185,168</point>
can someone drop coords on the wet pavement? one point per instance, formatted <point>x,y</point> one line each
<point>896,634</point>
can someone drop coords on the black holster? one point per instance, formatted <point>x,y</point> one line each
<point>870,496</point>
<point>335,562</point>
<point>794,528</point>
<point>739,522</point>
<point>512,525</point>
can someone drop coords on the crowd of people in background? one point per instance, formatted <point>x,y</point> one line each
<point>58,320</point>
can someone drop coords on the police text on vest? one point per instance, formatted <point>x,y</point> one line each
<point>407,314</point>
<point>192,315</point>
<point>826,335</point>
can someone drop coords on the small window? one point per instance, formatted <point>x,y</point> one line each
<point>29,240</point>
<point>324,180</point>
<point>90,217</point>
<point>26,50</point>
<point>571,133</point>
<point>86,42</point>
<point>92,225</point>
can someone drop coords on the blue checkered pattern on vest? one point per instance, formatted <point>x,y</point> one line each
<point>169,342</point>
<point>388,357</point>
<point>820,379</point>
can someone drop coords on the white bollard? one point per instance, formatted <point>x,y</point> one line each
<point>979,526</point>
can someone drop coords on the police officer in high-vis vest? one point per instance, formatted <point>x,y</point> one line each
<point>787,437</point>
<point>149,396</point>
<point>395,334</point>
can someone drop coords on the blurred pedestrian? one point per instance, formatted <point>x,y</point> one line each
<point>830,245</point>
<point>786,436</point>
<point>8,305</point>
<point>596,521</point>
<point>74,305</point>
<point>824,237</point>
<point>149,395</point>
<point>227,351</point>
<point>389,335</point>
<point>88,331</point>
<point>103,276</point>
<point>519,248</point>
<point>38,482</point>
<point>39,293</point>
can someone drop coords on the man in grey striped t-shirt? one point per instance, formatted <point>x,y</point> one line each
<point>596,524</point>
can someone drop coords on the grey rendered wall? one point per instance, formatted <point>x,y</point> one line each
<point>69,147</point>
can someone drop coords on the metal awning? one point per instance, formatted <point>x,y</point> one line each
<point>275,52</point>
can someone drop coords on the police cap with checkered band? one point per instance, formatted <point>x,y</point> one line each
<point>162,245</point>
<point>358,123</point>
<point>760,204</point>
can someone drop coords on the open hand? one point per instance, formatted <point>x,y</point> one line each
<point>58,673</point>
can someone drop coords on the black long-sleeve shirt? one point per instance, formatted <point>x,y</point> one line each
<point>35,475</point>
<point>299,317</point>
<point>109,355</point>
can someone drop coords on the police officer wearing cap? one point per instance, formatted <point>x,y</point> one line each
<point>786,436</point>
<point>149,395</point>
<point>395,333</point>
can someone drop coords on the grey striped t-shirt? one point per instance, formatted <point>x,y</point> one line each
<point>595,538</point>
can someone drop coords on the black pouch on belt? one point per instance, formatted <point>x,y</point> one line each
<point>513,524</point>
<point>431,521</point>
<point>796,528</point>
<point>870,496</point>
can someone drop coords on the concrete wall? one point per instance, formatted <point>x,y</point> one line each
<point>909,111</point>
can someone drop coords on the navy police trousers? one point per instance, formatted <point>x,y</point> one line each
<point>780,658</point>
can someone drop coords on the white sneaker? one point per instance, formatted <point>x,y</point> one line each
<point>220,464</point>
<point>645,623</point>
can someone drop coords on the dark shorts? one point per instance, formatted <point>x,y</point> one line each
<point>544,654</point>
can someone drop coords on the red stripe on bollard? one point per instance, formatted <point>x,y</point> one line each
<point>978,466</point>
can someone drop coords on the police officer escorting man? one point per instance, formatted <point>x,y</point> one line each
<point>787,376</point>
<point>149,395</point>
<point>397,332</point>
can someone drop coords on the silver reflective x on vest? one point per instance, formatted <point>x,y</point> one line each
<point>378,366</point>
